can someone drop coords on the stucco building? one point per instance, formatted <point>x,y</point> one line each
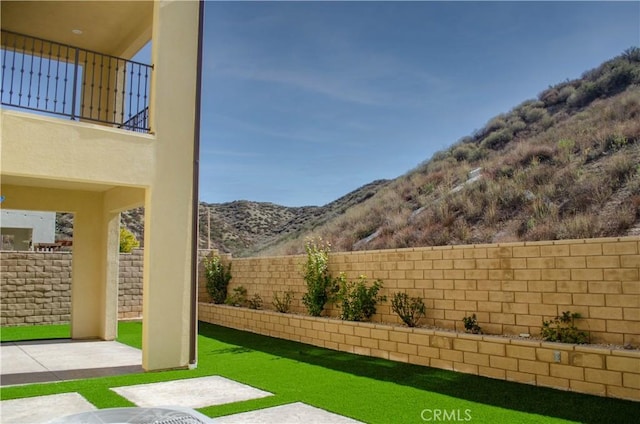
<point>87,130</point>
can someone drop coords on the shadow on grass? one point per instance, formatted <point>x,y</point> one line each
<point>499,393</point>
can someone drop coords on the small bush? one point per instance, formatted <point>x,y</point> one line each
<point>619,168</point>
<point>566,149</point>
<point>532,115</point>
<point>579,226</point>
<point>255,302</point>
<point>128,241</point>
<point>283,304</point>
<point>562,329</point>
<point>218,276</point>
<point>471,325</point>
<point>238,297</point>
<point>409,309</point>
<point>358,302</point>
<point>316,276</point>
<point>497,139</point>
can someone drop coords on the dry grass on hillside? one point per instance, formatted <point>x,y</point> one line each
<point>567,175</point>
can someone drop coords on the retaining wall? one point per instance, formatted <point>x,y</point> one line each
<point>585,369</point>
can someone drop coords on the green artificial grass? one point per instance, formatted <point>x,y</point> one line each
<point>35,332</point>
<point>367,389</point>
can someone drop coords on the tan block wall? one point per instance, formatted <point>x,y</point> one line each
<point>511,287</point>
<point>584,369</point>
<point>35,287</point>
<point>130,285</point>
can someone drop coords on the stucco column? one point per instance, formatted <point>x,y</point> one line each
<point>109,312</point>
<point>94,276</point>
<point>168,202</point>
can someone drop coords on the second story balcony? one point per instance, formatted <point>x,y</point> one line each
<point>59,79</point>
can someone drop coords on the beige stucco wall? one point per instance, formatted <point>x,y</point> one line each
<point>96,171</point>
<point>37,146</point>
<point>168,202</point>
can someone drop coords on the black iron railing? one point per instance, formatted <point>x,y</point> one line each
<point>59,79</point>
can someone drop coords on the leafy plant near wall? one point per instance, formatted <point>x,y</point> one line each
<point>255,302</point>
<point>316,276</point>
<point>218,276</point>
<point>358,302</point>
<point>128,241</point>
<point>563,329</point>
<point>471,325</point>
<point>409,309</point>
<point>283,304</point>
<point>238,297</point>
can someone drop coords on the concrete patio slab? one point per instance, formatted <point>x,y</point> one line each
<point>14,360</point>
<point>191,393</point>
<point>56,360</point>
<point>42,409</point>
<point>293,413</point>
<point>86,354</point>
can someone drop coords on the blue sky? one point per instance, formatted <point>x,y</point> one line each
<point>303,102</point>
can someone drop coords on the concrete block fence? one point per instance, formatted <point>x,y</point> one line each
<point>36,287</point>
<point>510,287</point>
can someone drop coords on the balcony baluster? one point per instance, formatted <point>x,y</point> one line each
<point>54,78</point>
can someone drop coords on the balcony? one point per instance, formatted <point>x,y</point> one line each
<point>63,80</point>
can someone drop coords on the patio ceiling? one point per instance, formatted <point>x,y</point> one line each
<point>118,28</point>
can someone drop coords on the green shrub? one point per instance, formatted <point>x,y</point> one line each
<point>632,54</point>
<point>238,297</point>
<point>255,302</point>
<point>535,114</point>
<point>585,94</point>
<point>317,277</point>
<point>497,139</point>
<point>358,302</point>
<point>562,329</point>
<point>581,225</point>
<point>218,276</point>
<point>471,325</point>
<point>283,304</point>
<point>619,168</point>
<point>566,148</point>
<point>409,309</point>
<point>128,241</point>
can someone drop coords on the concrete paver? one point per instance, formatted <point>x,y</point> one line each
<point>192,392</point>
<point>293,413</point>
<point>42,409</point>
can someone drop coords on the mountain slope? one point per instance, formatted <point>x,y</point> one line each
<point>564,165</point>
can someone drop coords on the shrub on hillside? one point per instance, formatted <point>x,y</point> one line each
<point>582,225</point>
<point>497,139</point>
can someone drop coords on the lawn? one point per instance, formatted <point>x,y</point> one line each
<point>367,389</point>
